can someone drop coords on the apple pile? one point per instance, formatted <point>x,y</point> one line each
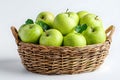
<point>64,29</point>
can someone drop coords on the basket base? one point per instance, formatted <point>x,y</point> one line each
<point>42,72</point>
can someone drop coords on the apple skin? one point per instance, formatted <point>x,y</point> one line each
<point>91,20</point>
<point>74,39</point>
<point>51,37</point>
<point>95,32</point>
<point>30,33</point>
<point>81,14</point>
<point>65,22</point>
<point>94,35</point>
<point>47,17</point>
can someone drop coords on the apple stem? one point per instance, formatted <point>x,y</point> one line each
<point>67,12</point>
<point>31,27</point>
<point>96,18</point>
<point>46,34</point>
<point>92,29</point>
<point>42,17</point>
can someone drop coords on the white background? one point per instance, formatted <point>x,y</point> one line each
<point>15,12</point>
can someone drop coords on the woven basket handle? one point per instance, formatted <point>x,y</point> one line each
<point>109,31</point>
<point>15,34</point>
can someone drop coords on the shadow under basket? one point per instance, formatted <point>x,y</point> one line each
<point>64,59</point>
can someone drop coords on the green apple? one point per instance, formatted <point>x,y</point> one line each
<point>65,22</point>
<point>91,20</point>
<point>51,37</point>
<point>46,17</point>
<point>95,32</point>
<point>81,14</point>
<point>94,35</point>
<point>30,33</point>
<point>74,39</point>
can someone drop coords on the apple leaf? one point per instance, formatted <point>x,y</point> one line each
<point>29,21</point>
<point>43,25</point>
<point>81,28</point>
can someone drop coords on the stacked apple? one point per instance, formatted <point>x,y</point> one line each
<point>64,29</point>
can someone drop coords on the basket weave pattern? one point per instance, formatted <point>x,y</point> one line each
<point>64,59</point>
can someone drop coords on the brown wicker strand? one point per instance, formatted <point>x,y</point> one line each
<point>15,34</point>
<point>109,31</point>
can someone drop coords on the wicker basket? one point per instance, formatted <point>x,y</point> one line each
<point>64,59</point>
